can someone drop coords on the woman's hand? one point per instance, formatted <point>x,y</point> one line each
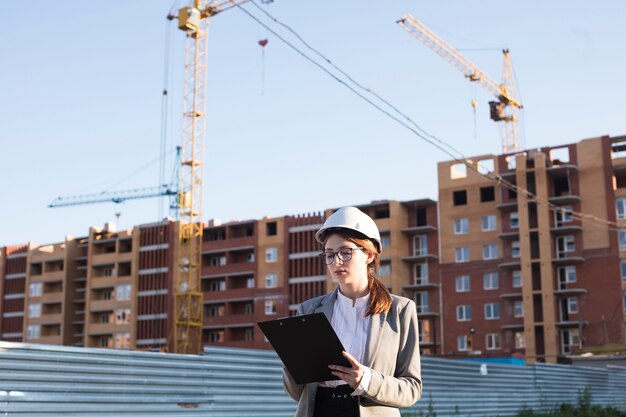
<point>351,376</point>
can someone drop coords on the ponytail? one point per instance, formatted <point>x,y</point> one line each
<point>380,299</point>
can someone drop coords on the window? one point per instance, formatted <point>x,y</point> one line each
<point>461,343</point>
<point>123,292</point>
<point>109,272</point>
<point>487,194</point>
<point>271,280</point>
<point>518,309</point>
<point>461,226</point>
<point>622,239</point>
<point>384,270</point>
<point>485,166</point>
<point>490,251</point>
<point>33,331</point>
<point>250,283</point>
<point>420,274</point>
<point>459,198</point>
<point>622,265</point>
<point>520,341</point>
<point>421,301</point>
<point>490,281</point>
<point>216,336</point>
<point>424,331</point>
<point>107,295</point>
<point>34,310</point>
<point>35,289</point>
<point>566,244</point>
<point>624,303</point>
<point>515,249</point>
<point>462,283</point>
<point>420,245</point>
<point>572,305</point>
<point>464,313</point>
<point>105,318</point>
<point>492,311</point>
<point>620,204</point>
<point>271,228</point>
<point>270,307</point>
<point>248,308</point>
<point>248,335</point>
<point>493,341</point>
<point>122,316</point>
<point>385,241</point>
<point>458,171</point>
<point>250,258</point>
<point>566,275</point>
<point>217,286</point>
<point>461,255</point>
<point>514,220</point>
<point>271,254</point>
<point>569,340</point>
<point>215,311</point>
<point>104,342</point>
<point>510,162</point>
<point>122,341</point>
<point>516,279</point>
<point>563,215</point>
<point>488,223</point>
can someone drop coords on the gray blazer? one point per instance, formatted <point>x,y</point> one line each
<point>392,353</point>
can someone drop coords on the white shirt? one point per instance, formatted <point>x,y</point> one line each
<point>352,326</point>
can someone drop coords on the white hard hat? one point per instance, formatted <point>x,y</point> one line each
<point>353,219</point>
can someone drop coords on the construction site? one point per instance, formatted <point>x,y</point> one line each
<point>515,257</point>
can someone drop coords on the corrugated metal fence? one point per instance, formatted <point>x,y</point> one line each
<point>39,380</point>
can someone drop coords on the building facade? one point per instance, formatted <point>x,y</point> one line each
<point>523,255</point>
<point>527,266</point>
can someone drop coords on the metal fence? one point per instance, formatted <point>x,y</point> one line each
<point>44,380</point>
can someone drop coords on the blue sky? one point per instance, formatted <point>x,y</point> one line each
<point>80,102</point>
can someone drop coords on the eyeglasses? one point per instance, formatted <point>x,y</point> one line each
<point>344,255</point>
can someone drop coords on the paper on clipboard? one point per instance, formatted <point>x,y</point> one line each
<point>306,345</point>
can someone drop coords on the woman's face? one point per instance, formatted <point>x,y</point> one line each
<point>353,271</point>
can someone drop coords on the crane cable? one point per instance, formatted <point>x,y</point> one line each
<point>412,126</point>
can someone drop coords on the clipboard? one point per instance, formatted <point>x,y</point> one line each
<point>306,344</point>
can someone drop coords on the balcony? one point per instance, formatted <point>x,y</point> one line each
<point>105,305</point>
<point>54,318</point>
<point>230,269</point>
<point>419,229</point>
<point>513,326</point>
<point>512,263</point>
<point>564,199</point>
<point>507,206</point>
<point>227,245</point>
<point>421,286</point>
<point>52,298</point>
<point>561,169</point>
<point>566,230</point>
<point>567,259</point>
<point>509,235</point>
<point>228,320</point>
<point>52,276</point>
<point>511,296</point>
<point>110,258</point>
<point>570,291</point>
<point>230,295</point>
<point>417,258</point>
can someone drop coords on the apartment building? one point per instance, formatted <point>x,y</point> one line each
<point>524,255</point>
<point>12,290</point>
<point>523,273</point>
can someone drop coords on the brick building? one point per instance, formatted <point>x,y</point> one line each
<point>493,271</point>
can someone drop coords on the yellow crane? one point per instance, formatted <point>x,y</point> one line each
<point>194,21</point>
<point>506,109</point>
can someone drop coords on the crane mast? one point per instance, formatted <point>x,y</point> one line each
<point>194,21</point>
<point>506,109</point>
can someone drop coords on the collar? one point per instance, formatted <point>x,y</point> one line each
<point>359,303</point>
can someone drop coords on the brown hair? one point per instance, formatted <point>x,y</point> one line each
<point>380,299</point>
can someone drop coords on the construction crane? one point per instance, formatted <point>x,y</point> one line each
<point>170,190</point>
<point>506,109</point>
<point>194,21</point>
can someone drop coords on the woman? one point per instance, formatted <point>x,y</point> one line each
<point>378,330</point>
